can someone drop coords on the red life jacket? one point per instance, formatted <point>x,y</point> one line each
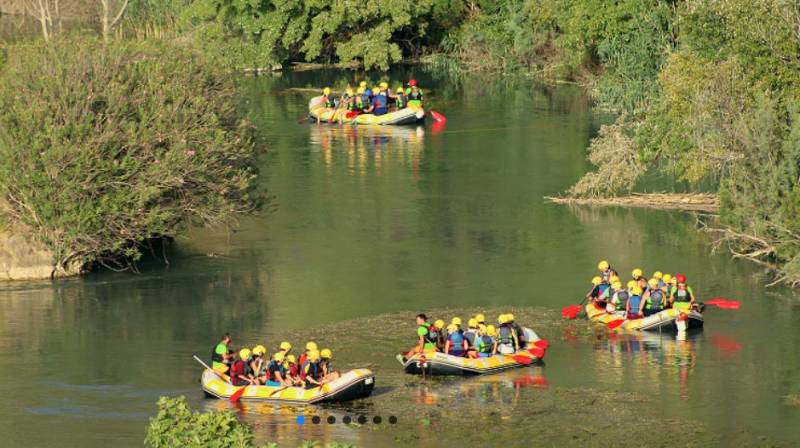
<point>237,369</point>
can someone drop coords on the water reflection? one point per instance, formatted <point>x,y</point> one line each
<point>501,388</point>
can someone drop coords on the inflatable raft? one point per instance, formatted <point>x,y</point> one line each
<point>409,115</point>
<point>440,364</point>
<point>666,320</point>
<point>351,385</point>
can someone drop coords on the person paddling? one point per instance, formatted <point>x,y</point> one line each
<point>239,376</point>
<point>310,345</point>
<point>455,345</point>
<point>220,356</point>
<point>606,271</point>
<point>654,298</point>
<point>470,336</point>
<point>311,372</point>
<point>487,345</point>
<point>328,372</point>
<point>634,308</point>
<point>507,342</point>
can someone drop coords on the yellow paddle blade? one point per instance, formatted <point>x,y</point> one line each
<point>221,369</point>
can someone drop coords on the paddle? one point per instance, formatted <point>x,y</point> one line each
<point>237,395</point>
<point>438,117</point>
<point>615,323</point>
<point>572,311</point>
<point>279,389</point>
<point>303,118</point>
<point>207,367</point>
<point>721,302</point>
<point>336,111</point>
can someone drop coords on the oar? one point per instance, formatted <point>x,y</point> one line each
<point>721,302</point>
<point>615,323</point>
<point>207,367</point>
<point>237,395</point>
<point>279,390</point>
<point>438,117</point>
<point>572,311</point>
<point>335,111</point>
<point>303,118</point>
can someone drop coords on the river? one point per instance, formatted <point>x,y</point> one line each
<point>367,227</point>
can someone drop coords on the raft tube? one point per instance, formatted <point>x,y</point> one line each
<point>408,115</point>
<point>351,385</point>
<point>441,364</point>
<point>665,320</point>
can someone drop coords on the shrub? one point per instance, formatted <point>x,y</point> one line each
<point>176,425</point>
<point>103,147</point>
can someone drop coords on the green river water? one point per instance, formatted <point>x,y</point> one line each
<point>366,228</point>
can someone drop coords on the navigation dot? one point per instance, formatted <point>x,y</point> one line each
<point>377,419</point>
<point>301,419</point>
<point>346,420</point>
<point>331,419</point>
<point>315,419</point>
<point>362,419</point>
<point>392,419</point>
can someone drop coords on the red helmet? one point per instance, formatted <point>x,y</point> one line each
<point>680,278</point>
<point>412,82</point>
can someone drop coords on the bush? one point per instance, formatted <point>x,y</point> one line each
<point>176,425</point>
<point>103,147</point>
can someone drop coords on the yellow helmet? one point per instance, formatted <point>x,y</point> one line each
<point>291,359</point>
<point>658,275</point>
<point>384,85</point>
<point>349,91</point>
<point>480,318</point>
<point>631,283</point>
<point>313,355</point>
<point>455,321</point>
<point>279,356</point>
<point>509,317</point>
<point>653,282</point>
<point>491,331</point>
<point>244,353</point>
<point>375,90</point>
<point>362,85</point>
<point>361,90</point>
<point>286,346</point>
<point>311,346</point>
<point>501,319</point>
<point>617,285</point>
<point>326,353</point>
<point>596,280</point>
<point>399,90</point>
<point>636,273</point>
<point>482,328</point>
<point>452,328</point>
<point>666,278</point>
<point>603,265</point>
<point>439,323</point>
<point>472,323</point>
<point>326,91</point>
<point>259,350</point>
<point>614,279</point>
<point>636,290</point>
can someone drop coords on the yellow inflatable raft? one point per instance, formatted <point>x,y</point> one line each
<point>437,363</point>
<point>666,320</point>
<point>351,385</point>
<point>408,115</point>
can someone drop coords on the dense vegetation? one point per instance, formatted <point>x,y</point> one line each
<point>176,425</point>
<point>104,146</point>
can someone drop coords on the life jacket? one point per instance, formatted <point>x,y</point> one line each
<point>400,101</point>
<point>456,341</point>
<point>238,368</point>
<point>505,335</point>
<point>655,299</point>
<point>329,102</point>
<point>363,101</point>
<point>622,299</point>
<point>432,334</point>
<point>470,336</point>
<point>380,104</point>
<point>217,357</point>
<point>415,96</point>
<point>519,332</point>
<point>682,295</point>
<point>635,302</point>
<point>601,288</point>
<point>485,344</point>
<point>274,367</point>
<point>311,369</point>
<point>350,103</point>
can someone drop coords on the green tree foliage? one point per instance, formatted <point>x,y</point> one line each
<point>103,147</point>
<point>258,33</point>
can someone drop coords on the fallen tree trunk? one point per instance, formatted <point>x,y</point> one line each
<point>691,202</point>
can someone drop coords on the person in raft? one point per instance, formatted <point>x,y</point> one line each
<point>222,356</point>
<point>328,372</point>
<point>239,371</point>
<point>683,297</point>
